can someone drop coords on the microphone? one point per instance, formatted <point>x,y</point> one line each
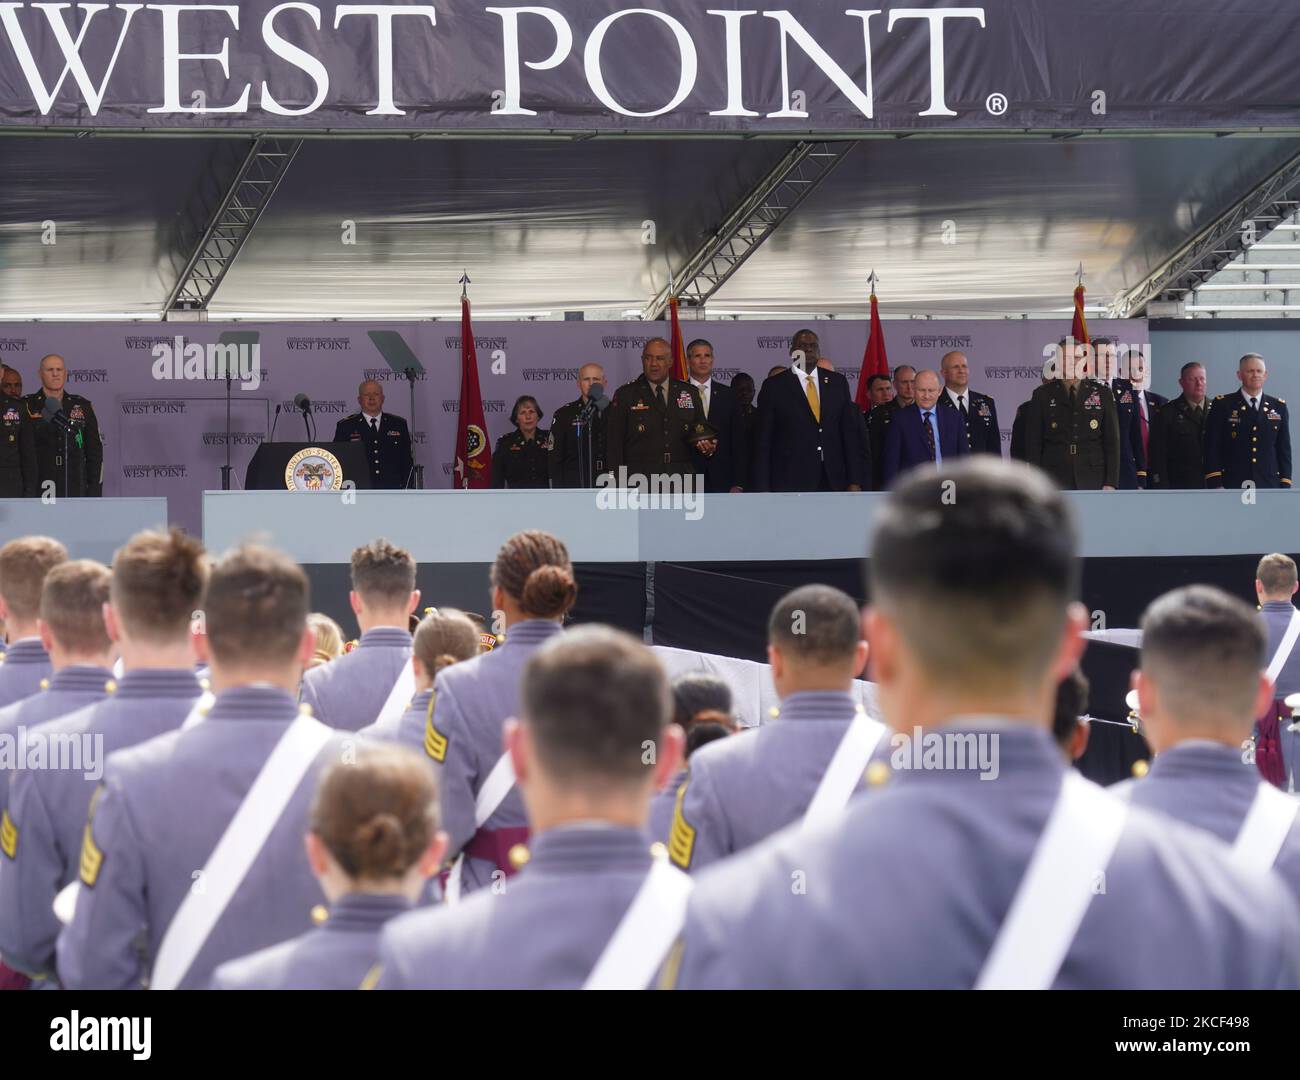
<point>596,396</point>
<point>302,402</point>
<point>271,437</point>
<point>410,374</point>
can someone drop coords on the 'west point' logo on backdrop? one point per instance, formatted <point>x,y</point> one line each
<point>154,472</point>
<point>319,344</point>
<point>153,407</point>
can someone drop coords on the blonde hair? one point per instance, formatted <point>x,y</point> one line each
<point>329,639</point>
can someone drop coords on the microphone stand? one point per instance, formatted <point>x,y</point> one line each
<point>586,452</point>
<point>306,426</point>
<point>416,474</point>
<point>225,469</point>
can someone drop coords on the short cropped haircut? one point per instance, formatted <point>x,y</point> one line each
<point>1198,629</point>
<point>873,379</point>
<point>696,695</point>
<point>72,606</point>
<point>594,699</point>
<point>158,583</point>
<point>257,605</point>
<point>1188,367</point>
<point>23,565</point>
<point>976,565</point>
<point>383,573</point>
<point>1277,573</point>
<point>699,341</point>
<point>815,624</point>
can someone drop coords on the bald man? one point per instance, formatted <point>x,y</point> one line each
<point>569,465</point>
<point>69,452</point>
<point>386,439</point>
<point>978,412</point>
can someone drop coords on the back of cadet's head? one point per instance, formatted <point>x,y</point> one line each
<point>256,609</point>
<point>444,637</point>
<point>593,699</point>
<point>534,570</point>
<point>383,574</point>
<point>816,625</point>
<point>377,814</point>
<point>72,606</point>
<point>975,565</point>
<point>1276,573</point>
<point>23,565</point>
<point>1199,629</point>
<point>158,583</point>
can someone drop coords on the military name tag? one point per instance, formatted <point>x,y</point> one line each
<point>313,469</point>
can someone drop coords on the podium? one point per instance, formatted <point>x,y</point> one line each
<point>314,466</point>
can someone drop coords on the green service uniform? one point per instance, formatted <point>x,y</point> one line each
<point>1074,435</point>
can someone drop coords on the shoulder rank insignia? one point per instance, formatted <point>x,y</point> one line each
<point>435,742</point>
<point>681,841</point>
<point>8,836</point>
<point>92,859</point>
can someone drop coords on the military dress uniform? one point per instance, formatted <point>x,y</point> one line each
<point>663,808</point>
<point>1132,461</point>
<point>1074,438</point>
<point>983,436</point>
<point>147,835</point>
<point>911,886</point>
<point>18,469</point>
<point>337,955</point>
<point>1207,785</point>
<point>412,727</point>
<point>349,692</point>
<point>1177,445</point>
<point>648,436</point>
<point>565,462</point>
<point>75,460</point>
<point>49,807</point>
<point>1244,444</point>
<point>388,447</point>
<point>878,421</point>
<point>518,462</point>
<point>25,665</point>
<point>474,700</point>
<point>744,788</point>
<point>544,932</point>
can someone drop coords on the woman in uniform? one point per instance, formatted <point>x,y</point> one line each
<point>372,844</point>
<point>521,458</point>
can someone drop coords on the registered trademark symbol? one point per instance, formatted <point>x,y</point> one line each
<point>996,104</point>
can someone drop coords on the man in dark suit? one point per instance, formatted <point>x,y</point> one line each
<point>728,468</point>
<point>1132,456</point>
<point>386,438</point>
<point>1149,405</point>
<point>922,433</point>
<point>978,412</point>
<point>811,436</point>
<point>1178,432</point>
<point>655,425</point>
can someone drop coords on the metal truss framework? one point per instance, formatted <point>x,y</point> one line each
<point>1226,238</point>
<point>759,214</point>
<point>225,207</point>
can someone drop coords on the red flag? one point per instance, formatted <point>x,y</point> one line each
<point>1079,328</point>
<point>874,361</point>
<point>679,352</point>
<point>473,454</point>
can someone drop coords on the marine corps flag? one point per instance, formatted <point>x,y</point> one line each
<point>874,361</point>
<point>473,455</point>
<point>679,352</point>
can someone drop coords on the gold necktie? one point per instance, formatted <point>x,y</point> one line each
<point>814,402</point>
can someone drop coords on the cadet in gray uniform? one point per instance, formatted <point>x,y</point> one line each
<point>702,709</point>
<point>155,588</point>
<point>534,588</point>
<point>747,787</point>
<point>72,632</point>
<point>373,843</point>
<point>1198,727</point>
<point>23,565</point>
<point>140,917</point>
<point>349,692</point>
<point>444,637</point>
<point>1275,586</point>
<point>973,620</point>
<point>593,702</point>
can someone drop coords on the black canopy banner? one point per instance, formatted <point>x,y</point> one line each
<point>672,67</point>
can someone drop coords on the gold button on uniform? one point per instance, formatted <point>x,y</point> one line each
<point>877,773</point>
<point>110,687</point>
<point>519,856</point>
<point>1140,769</point>
<point>45,684</point>
<point>319,914</point>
